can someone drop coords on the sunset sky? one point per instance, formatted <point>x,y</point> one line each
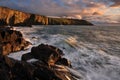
<point>106,11</point>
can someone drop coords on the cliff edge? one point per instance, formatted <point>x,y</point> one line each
<point>18,18</point>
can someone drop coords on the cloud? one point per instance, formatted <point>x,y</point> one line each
<point>103,19</point>
<point>64,8</point>
<point>97,13</point>
<point>52,7</point>
<point>117,5</point>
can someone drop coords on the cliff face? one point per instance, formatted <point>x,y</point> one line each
<point>18,18</point>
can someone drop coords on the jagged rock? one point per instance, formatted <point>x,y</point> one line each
<point>11,41</point>
<point>63,61</point>
<point>11,69</point>
<point>18,18</point>
<point>48,54</point>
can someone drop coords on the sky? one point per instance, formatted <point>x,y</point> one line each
<point>101,11</point>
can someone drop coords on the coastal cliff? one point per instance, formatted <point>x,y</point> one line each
<point>17,18</point>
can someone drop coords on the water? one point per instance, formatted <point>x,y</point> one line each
<point>94,51</point>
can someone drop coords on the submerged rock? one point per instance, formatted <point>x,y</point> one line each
<point>11,41</point>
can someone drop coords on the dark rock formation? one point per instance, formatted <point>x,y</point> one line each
<point>11,41</point>
<point>11,69</point>
<point>50,55</point>
<point>18,18</point>
<point>63,61</point>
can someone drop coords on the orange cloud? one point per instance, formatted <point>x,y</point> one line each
<point>93,11</point>
<point>97,13</point>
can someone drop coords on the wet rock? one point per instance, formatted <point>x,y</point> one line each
<point>11,41</point>
<point>46,53</point>
<point>63,61</point>
<point>11,69</point>
<point>38,70</point>
<point>43,72</point>
<point>27,56</point>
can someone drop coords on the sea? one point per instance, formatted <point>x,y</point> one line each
<point>94,51</point>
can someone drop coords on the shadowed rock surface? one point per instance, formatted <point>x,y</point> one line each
<point>18,18</point>
<point>11,41</point>
<point>11,69</point>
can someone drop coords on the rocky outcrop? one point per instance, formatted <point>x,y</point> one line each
<point>50,55</point>
<point>18,18</point>
<point>11,41</point>
<point>42,69</point>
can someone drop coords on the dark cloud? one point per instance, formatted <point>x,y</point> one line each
<point>116,5</point>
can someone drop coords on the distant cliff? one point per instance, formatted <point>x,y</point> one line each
<point>18,18</point>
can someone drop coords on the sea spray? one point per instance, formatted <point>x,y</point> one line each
<point>96,56</point>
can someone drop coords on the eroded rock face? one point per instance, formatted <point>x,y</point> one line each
<point>18,18</point>
<point>11,41</point>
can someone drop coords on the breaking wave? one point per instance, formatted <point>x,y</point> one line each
<point>93,51</point>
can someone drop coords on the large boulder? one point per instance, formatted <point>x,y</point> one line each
<point>11,41</point>
<point>48,54</point>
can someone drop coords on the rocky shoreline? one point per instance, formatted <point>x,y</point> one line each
<point>49,63</point>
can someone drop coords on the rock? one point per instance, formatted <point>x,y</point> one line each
<point>8,35</point>
<point>11,41</point>
<point>43,72</point>
<point>19,70</point>
<point>17,18</point>
<point>63,61</point>
<point>46,53</point>
<point>11,69</point>
<point>16,70</point>
<point>27,56</point>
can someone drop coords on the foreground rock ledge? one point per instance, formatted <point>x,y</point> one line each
<point>11,41</point>
<point>49,65</point>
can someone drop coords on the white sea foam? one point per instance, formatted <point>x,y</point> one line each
<point>93,52</point>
